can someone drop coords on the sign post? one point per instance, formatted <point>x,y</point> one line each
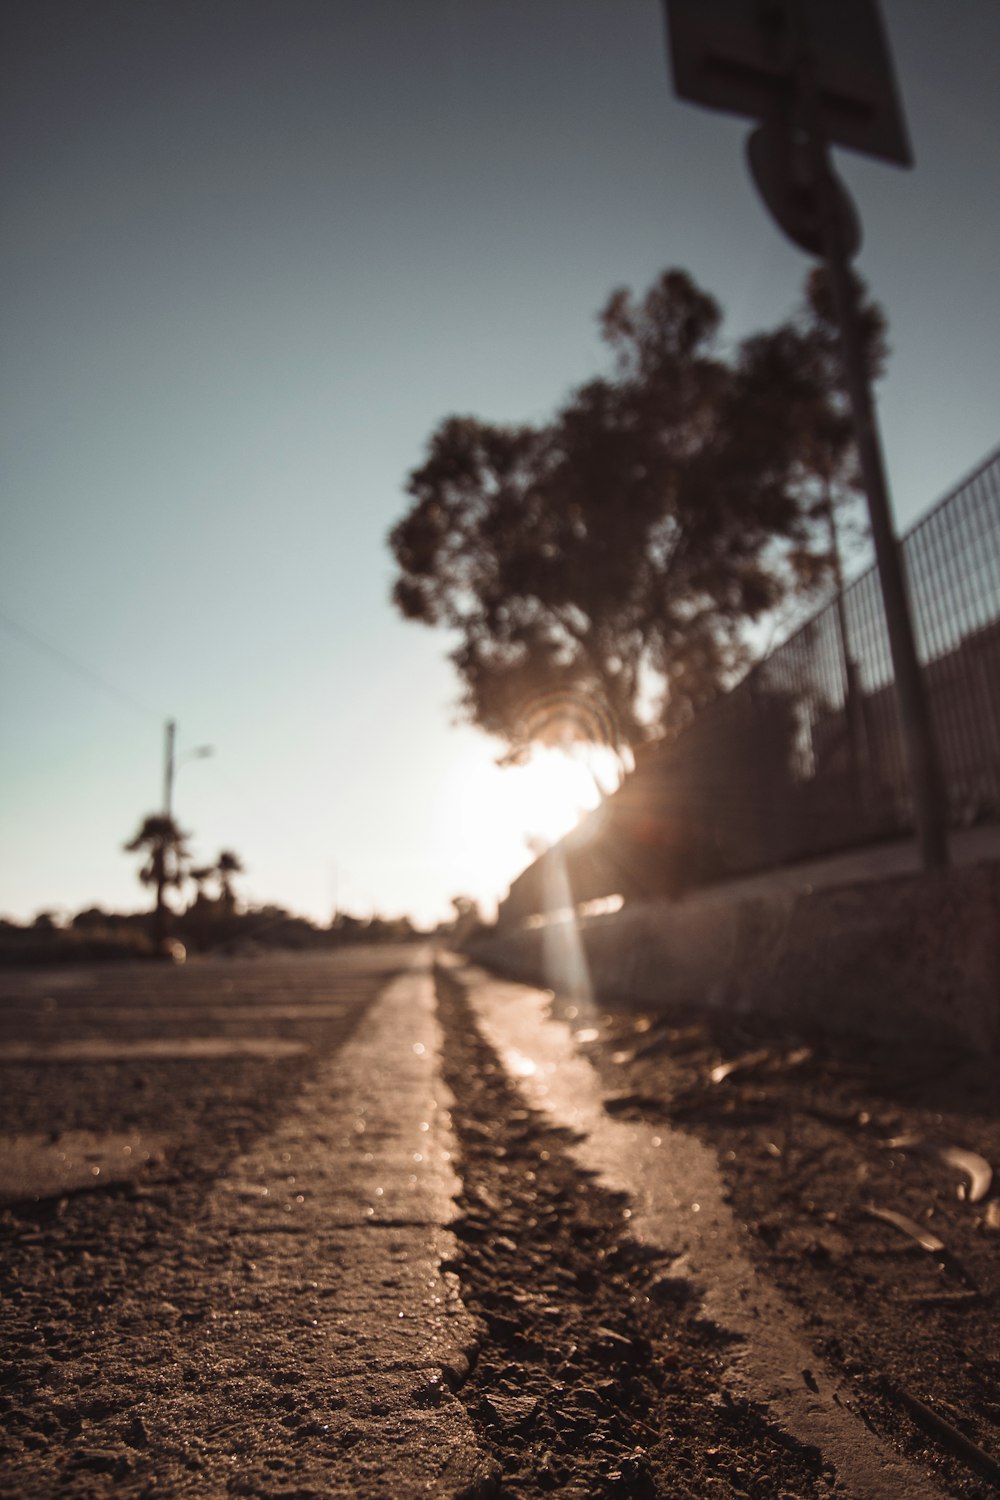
<point>816,73</point>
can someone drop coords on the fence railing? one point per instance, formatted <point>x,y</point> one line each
<point>805,756</point>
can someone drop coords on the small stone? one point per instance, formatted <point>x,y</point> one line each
<point>137,1434</point>
<point>97,1460</point>
<point>512,1411</point>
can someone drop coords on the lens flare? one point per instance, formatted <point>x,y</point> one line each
<point>565,718</point>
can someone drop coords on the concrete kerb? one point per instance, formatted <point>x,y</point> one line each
<point>915,955</point>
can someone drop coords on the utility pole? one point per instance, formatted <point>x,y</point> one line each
<point>168,767</point>
<point>171,763</point>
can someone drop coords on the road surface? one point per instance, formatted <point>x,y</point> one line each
<point>331,1225</point>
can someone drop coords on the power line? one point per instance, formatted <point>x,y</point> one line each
<point>71,663</point>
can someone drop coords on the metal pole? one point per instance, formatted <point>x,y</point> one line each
<point>168,768</point>
<point>927,782</point>
<point>848,664</point>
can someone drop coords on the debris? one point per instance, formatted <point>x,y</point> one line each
<point>906,1142</point>
<point>775,1061</point>
<point>618,1104</point>
<point>633,1472</point>
<point>511,1411</point>
<point>743,1064</point>
<point>944,1299</point>
<point>137,1434</point>
<point>612,1340</point>
<point>963,1447</point>
<point>923,1237</point>
<point>675,1040</point>
<point>975,1167</point>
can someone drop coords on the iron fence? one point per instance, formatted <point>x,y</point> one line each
<point>805,756</point>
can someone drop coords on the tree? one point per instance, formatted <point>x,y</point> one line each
<point>227,865</point>
<point>807,355</point>
<point>200,875</point>
<point>600,570</point>
<point>468,919</point>
<point>167,859</point>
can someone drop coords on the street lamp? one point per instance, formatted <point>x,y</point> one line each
<point>171,763</point>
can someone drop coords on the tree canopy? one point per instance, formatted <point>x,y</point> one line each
<point>600,569</point>
<point>165,846</point>
<point>166,849</point>
<point>226,866</point>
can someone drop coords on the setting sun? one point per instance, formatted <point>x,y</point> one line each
<point>549,793</point>
<point>489,818</point>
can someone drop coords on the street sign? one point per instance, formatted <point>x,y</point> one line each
<point>817,73</point>
<point>743,56</point>
<point>782,168</point>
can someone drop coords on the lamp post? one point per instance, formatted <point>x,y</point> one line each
<point>172,762</point>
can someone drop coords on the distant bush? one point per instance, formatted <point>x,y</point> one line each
<point>207,926</point>
<point>91,943</point>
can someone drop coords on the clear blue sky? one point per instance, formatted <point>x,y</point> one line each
<point>253,251</point>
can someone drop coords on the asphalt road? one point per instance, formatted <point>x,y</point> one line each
<point>223,1202</point>
<point>186,1062</point>
<point>340,1226</point>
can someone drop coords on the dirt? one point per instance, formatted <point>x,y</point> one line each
<point>817,1139</point>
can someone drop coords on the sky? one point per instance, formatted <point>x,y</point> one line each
<point>254,251</point>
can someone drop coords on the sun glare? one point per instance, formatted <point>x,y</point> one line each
<point>549,793</point>
<point>490,818</point>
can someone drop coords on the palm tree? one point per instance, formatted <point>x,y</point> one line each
<point>167,857</point>
<point>200,874</point>
<point>227,865</point>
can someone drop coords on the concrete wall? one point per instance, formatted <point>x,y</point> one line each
<point>916,955</point>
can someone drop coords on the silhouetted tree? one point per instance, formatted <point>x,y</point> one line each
<point>90,916</point>
<point>227,865</point>
<point>348,928</point>
<point>468,919</point>
<point>807,378</point>
<point>167,858</point>
<point>601,569</point>
<point>200,875</point>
